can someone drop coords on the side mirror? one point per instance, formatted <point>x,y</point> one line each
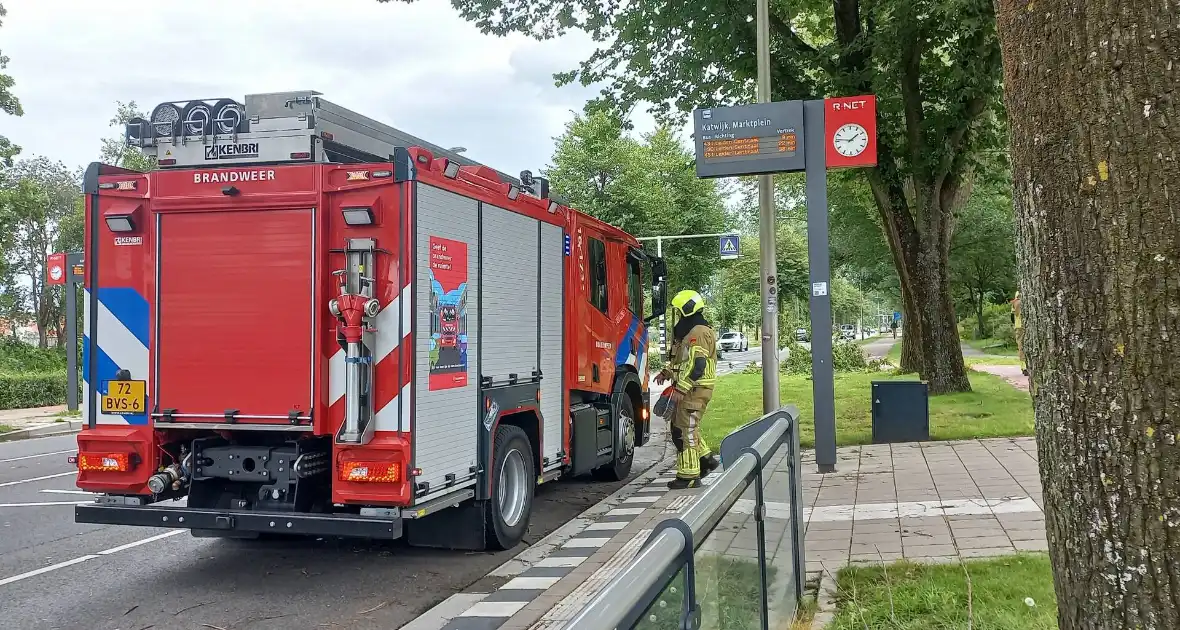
<point>659,288</point>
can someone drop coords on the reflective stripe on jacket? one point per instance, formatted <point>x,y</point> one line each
<point>694,359</point>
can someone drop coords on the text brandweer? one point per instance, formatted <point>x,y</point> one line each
<point>225,177</point>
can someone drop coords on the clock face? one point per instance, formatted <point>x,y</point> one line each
<point>850,140</point>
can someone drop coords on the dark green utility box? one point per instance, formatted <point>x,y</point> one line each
<point>901,411</point>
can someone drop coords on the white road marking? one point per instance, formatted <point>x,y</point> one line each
<point>141,542</point>
<point>530,583</point>
<point>560,561</point>
<point>626,512</point>
<point>494,609</point>
<point>42,504</point>
<point>585,543</point>
<point>70,563</point>
<point>52,567</point>
<point>606,526</point>
<point>13,483</point>
<point>83,492</point>
<point>641,499</point>
<point>17,459</point>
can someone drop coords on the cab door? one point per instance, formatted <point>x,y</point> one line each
<point>593,303</point>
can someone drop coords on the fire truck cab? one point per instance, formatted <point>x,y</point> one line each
<point>306,322</point>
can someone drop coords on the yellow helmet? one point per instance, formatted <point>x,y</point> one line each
<point>687,302</point>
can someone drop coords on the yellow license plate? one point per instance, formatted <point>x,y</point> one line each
<point>125,397</point>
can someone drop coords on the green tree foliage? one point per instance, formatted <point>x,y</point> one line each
<point>115,151</point>
<point>9,104</point>
<point>737,290</point>
<point>934,65</point>
<point>983,252</point>
<point>645,186</point>
<point>36,196</point>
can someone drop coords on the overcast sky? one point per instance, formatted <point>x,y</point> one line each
<point>419,67</point>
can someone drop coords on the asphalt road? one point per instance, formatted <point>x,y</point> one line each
<point>55,573</point>
<point>737,361</point>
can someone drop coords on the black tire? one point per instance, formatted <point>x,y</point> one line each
<point>620,467</point>
<point>508,520</point>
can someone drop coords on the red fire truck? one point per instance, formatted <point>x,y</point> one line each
<point>258,354</point>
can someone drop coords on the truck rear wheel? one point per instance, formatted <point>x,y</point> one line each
<point>513,482</point>
<point>620,467</point>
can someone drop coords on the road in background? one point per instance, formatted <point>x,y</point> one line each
<point>55,573</point>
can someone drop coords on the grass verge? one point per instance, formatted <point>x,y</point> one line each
<point>894,357</point>
<point>992,409</point>
<point>4,428</point>
<point>907,596</point>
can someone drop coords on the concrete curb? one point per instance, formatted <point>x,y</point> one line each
<point>456,604</point>
<point>825,602</point>
<point>64,427</point>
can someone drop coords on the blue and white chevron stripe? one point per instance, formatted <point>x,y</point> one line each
<point>123,316</point>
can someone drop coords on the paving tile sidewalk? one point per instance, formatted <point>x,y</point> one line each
<point>928,502</point>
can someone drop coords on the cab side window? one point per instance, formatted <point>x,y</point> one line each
<point>598,285</point>
<point>634,286</point>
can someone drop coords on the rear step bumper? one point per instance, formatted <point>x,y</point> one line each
<point>349,525</point>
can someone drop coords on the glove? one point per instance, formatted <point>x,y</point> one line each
<point>666,404</point>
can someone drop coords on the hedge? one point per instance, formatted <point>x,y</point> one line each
<point>22,391</point>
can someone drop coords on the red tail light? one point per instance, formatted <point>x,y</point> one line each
<point>378,472</point>
<point>107,462</point>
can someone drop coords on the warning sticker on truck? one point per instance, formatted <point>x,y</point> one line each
<point>448,313</point>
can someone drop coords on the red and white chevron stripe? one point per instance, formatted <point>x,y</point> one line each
<point>391,381</point>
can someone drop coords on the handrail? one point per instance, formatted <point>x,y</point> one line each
<point>640,582</point>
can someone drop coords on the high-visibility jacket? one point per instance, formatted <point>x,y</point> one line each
<point>694,359</point>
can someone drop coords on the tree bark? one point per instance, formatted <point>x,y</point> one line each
<point>1095,126</point>
<point>921,253</point>
<point>984,333</point>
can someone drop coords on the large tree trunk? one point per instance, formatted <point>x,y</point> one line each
<point>1095,126</point>
<point>983,331</point>
<point>921,255</point>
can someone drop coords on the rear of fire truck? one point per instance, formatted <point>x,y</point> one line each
<point>274,345</point>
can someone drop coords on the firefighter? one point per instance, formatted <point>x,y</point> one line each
<point>692,369</point>
<point>1019,334</point>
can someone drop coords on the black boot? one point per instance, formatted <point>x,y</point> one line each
<point>709,463</point>
<point>681,483</point>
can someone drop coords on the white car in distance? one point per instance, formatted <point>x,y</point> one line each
<point>733,342</point>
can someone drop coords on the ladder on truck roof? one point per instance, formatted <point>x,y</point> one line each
<point>274,128</point>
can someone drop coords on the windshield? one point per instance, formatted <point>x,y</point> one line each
<point>729,336</point>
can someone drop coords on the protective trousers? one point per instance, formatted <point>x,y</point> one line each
<point>686,432</point>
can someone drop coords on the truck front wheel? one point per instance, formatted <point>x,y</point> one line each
<point>628,429</point>
<point>513,482</point>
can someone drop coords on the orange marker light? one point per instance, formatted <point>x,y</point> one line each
<point>377,472</point>
<point>106,462</point>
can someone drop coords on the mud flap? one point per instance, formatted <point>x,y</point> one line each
<point>459,528</point>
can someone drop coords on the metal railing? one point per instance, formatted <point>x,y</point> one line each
<point>670,549</point>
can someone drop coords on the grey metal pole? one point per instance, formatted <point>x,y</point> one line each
<point>822,379</point>
<point>71,289</point>
<point>73,259</point>
<point>767,233</point>
<point>663,316</point>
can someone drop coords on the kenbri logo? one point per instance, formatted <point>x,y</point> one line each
<point>226,177</point>
<point>229,151</point>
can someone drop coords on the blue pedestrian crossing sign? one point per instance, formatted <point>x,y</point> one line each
<point>730,247</point>
<point>896,316</point>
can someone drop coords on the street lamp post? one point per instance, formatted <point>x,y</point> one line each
<point>766,233</point>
